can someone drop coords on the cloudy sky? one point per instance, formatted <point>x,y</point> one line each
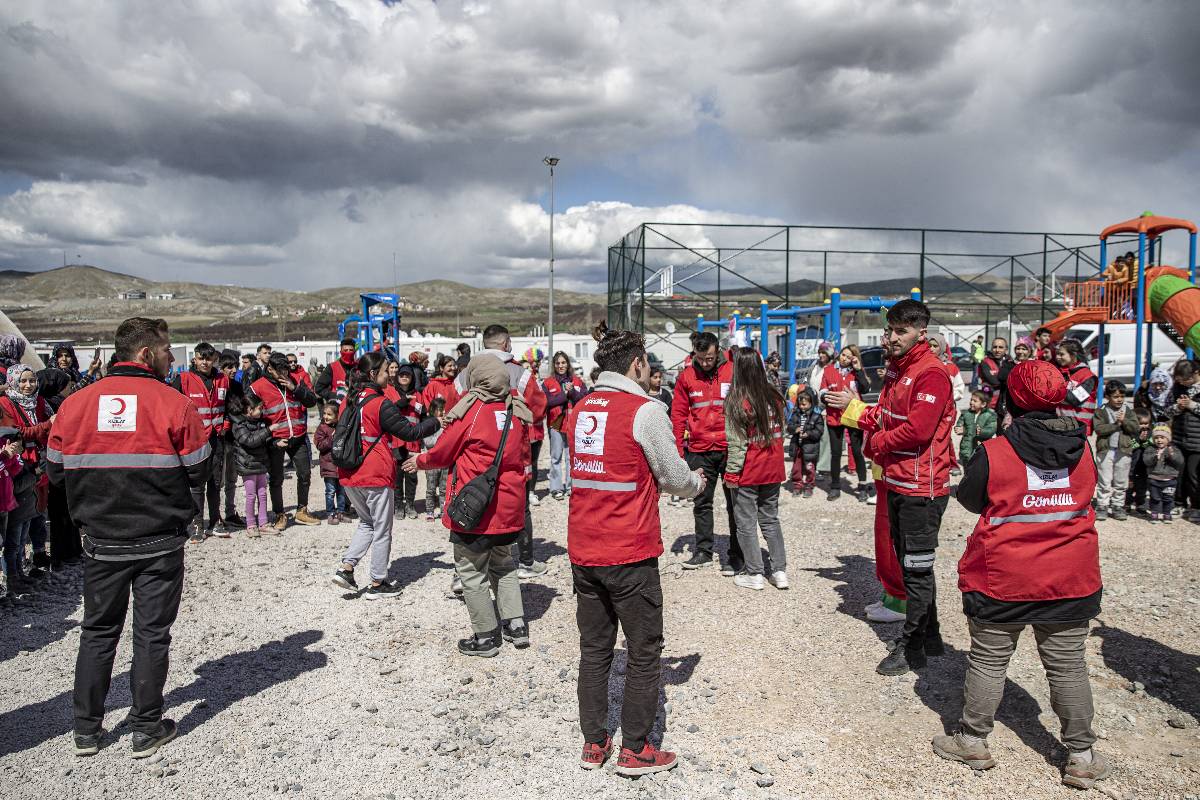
<point>300,143</point>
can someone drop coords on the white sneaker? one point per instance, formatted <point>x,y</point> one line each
<point>871,606</point>
<point>884,614</point>
<point>779,580</point>
<point>872,499</point>
<point>525,572</point>
<point>755,582</point>
<point>533,500</point>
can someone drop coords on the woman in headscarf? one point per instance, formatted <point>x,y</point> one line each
<point>23,409</point>
<point>1155,395</point>
<point>12,347</point>
<point>63,357</point>
<point>483,555</point>
<point>1023,349</point>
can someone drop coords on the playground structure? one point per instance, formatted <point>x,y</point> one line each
<point>374,329</point>
<point>788,318</point>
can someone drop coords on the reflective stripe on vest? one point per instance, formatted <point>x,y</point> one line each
<point>1053,516</point>
<point>604,486</point>
<point>129,460</point>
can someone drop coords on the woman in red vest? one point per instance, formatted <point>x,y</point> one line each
<point>754,412</point>
<point>442,384</point>
<point>401,380</point>
<point>844,375</point>
<point>563,390</point>
<point>1082,384</point>
<point>1033,560</point>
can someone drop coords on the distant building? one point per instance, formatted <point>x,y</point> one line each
<point>163,296</point>
<point>135,294</point>
<point>261,310</point>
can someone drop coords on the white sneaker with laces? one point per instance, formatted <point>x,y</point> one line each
<point>525,572</point>
<point>755,582</point>
<point>869,606</point>
<point>533,500</point>
<point>884,614</point>
<point>780,580</point>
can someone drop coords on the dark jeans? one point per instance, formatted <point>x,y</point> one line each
<point>297,450</point>
<point>335,496</point>
<point>535,450</point>
<point>14,545</point>
<point>405,483</point>
<point>713,464</point>
<point>157,585</point>
<point>37,533</point>
<point>65,544</point>
<point>525,540</point>
<point>229,474</point>
<point>212,489</point>
<point>1162,497</point>
<point>914,523</point>
<point>835,454</point>
<point>632,595</point>
<point>1188,492</point>
<point>1135,495</point>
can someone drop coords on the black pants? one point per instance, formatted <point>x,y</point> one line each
<point>713,464</point>
<point>297,450</point>
<point>405,483</point>
<point>157,585</point>
<point>632,595</point>
<point>835,454</point>
<point>1188,492</point>
<point>914,523</point>
<point>65,544</point>
<point>1135,495</point>
<point>212,489</point>
<point>1162,496</point>
<point>229,474</point>
<point>535,450</point>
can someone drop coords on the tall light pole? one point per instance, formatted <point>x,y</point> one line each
<point>551,162</point>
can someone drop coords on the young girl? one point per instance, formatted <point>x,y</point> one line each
<point>399,390</point>
<point>335,495</point>
<point>251,438</point>
<point>754,469</point>
<point>806,426</point>
<point>975,427</point>
<point>1163,462</point>
<point>435,479</point>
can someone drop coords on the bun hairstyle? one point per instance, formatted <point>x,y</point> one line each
<point>617,349</point>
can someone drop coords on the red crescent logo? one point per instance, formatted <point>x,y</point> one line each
<point>121,407</point>
<point>595,424</point>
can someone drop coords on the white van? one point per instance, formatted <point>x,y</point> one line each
<point>1119,346</point>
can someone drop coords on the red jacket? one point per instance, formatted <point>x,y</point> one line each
<point>1081,400</point>
<point>284,412</point>
<point>764,464</point>
<point>699,408</point>
<point>834,380</point>
<point>561,389</point>
<point>34,435</point>
<point>910,427</point>
<point>129,449</point>
<point>469,445</point>
<point>411,409</point>
<point>1036,539</point>
<point>613,516</point>
<point>440,387</point>
<point>9,469</point>
<point>208,395</point>
<point>381,423</point>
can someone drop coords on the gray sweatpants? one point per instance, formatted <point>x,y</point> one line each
<point>374,506</point>
<point>1061,647</point>
<point>1112,478</point>
<point>755,507</point>
<point>484,573</point>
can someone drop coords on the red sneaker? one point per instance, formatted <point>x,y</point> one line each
<point>650,759</point>
<point>594,755</point>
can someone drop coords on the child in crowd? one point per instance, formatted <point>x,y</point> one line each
<point>977,424</point>
<point>251,438</point>
<point>335,495</point>
<point>1163,462</point>
<point>1116,431</point>
<point>806,426</point>
<point>1135,495</point>
<point>435,479</point>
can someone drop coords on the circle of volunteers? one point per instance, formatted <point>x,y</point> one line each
<point>127,469</point>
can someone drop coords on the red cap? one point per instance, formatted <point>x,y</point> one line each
<point>1036,385</point>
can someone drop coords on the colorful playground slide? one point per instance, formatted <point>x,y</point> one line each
<point>1170,298</point>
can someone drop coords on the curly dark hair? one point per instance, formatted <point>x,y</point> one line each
<point>617,349</point>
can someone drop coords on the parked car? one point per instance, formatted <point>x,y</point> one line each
<point>962,360</point>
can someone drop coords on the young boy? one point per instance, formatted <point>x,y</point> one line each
<point>1135,495</point>
<point>807,426</point>
<point>1116,429</point>
<point>975,426</point>
<point>1163,462</point>
<point>435,479</point>
<point>335,495</point>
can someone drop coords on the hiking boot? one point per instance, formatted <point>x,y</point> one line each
<point>527,571</point>
<point>304,518</point>
<point>87,745</point>
<point>934,646</point>
<point>649,760</point>
<point>279,525</point>
<point>1082,774</point>
<point>900,661</point>
<point>485,645</point>
<point>382,591</point>
<point>594,755</point>
<point>755,582</point>
<point>698,560</point>
<point>345,579</point>
<point>333,519</point>
<point>516,632</point>
<point>234,520</point>
<point>974,753</point>
<point>779,580</point>
<point>883,615</point>
<point>1101,514</point>
<point>1119,514</point>
<point>145,745</point>
<point>834,494</point>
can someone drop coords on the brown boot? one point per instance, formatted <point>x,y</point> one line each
<point>954,748</point>
<point>304,518</point>
<point>279,526</point>
<point>1082,774</point>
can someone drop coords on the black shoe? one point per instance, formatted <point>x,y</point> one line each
<point>485,646</point>
<point>731,568</point>
<point>87,745</point>
<point>234,520</point>
<point>36,574</point>
<point>345,579</point>
<point>900,661</point>
<point>517,634</point>
<point>834,494</point>
<point>145,744</point>
<point>698,560</point>
<point>41,560</point>
<point>382,591</point>
<point>807,492</point>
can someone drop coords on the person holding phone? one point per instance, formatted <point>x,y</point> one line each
<point>844,375</point>
<point>287,402</point>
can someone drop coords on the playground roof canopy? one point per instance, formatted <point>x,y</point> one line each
<point>1152,226</point>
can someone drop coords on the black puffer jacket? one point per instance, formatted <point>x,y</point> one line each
<point>1185,425</point>
<point>251,438</point>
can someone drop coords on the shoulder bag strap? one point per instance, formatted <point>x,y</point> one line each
<point>503,438</point>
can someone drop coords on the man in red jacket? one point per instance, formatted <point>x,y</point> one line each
<point>910,439</point>
<point>621,458</point>
<point>698,410</point>
<point>131,454</point>
<point>332,382</point>
<point>206,387</point>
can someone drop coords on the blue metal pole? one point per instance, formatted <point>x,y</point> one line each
<point>1140,312</point>
<point>791,353</point>
<point>915,294</point>
<point>1191,276</point>
<point>835,319</point>
<point>1100,348</point>
<point>764,346</point>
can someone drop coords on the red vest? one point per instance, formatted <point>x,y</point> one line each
<point>764,459</point>
<point>1075,377</point>
<point>1036,539</point>
<point>338,381</point>
<point>378,468</point>
<point>210,403</point>
<point>924,472</point>
<point>556,416</point>
<point>832,380</point>
<point>411,411</point>
<point>286,417</point>
<point>699,409</point>
<point>613,516</point>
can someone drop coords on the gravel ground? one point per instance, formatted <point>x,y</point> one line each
<point>282,683</point>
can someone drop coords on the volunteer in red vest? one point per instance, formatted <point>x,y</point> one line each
<point>369,485</point>
<point>286,403</point>
<point>622,456</point>
<point>207,387</point>
<point>132,454</point>
<point>993,372</point>
<point>1033,560</point>
<point>400,390</point>
<point>1080,400</point>
<point>910,439</point>
<point>331,383</point>
<point>563,390</point>
<point>698,410</point>
<point>532,361</point>
<point>297,372</point>
<point>844,375</point>
<point>442,383</point>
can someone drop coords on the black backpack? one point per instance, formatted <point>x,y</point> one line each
<point>347,449</point>
<point>468,506</point>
